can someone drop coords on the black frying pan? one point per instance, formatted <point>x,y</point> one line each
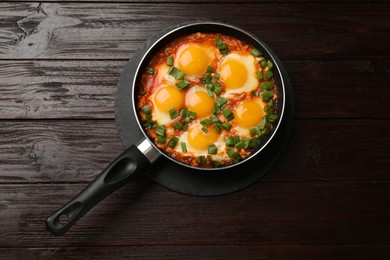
<point>142,154</point>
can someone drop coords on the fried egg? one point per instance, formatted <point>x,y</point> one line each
<point>198,101</point>
<point>197,141</point>
<point>237,72</point>
<point>248,114</point>
<point>165,98</point>
<point>193,58</point>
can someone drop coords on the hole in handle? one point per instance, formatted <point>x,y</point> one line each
<point>67,214</point>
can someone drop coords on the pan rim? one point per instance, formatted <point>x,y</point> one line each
<point>179,27</point>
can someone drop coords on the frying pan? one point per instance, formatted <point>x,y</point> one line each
<point>142,156</point>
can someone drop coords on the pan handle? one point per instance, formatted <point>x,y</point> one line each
<point>125,167</point>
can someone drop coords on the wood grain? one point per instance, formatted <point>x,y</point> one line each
<point>73,151</point>
<point>114,31</point>
<point>43,89</point>
<point>195,252</point>
<point>142,213</point>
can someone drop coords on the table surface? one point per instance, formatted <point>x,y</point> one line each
<point>328,197</point>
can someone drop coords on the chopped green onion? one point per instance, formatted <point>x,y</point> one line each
<point>272,118</point>
<point>204,130</point>
<point>253,131</point>
<point>232,154</point>
<point>267,95</point>
<point>173,141</point>
<point>172,113</point>
<point>264,127</point>
<point>228,114</point>
<point>201,160</point>
<point>256,52</point>
<point>214,119</point>
<point>185,126</point>
<point>216,75</point>
<point>259,75</point>
<point>217,127</point>
<point>146,109</point>
<point>207,78</point>
<point>267,110</point>
<point>263,64</point>
<point>160,130</point>
<point>209,86</point>
<point>268,74</point>
<point>218,164</point>
<point>221,46</point>
<point>269,64</point>
<point>255,142</point>
<point>212,149</point>
<point>170,61</point>
<point>183,147</point>
<point>217,90</point>
<point>266,85</point>
<point>223,49</point>
<point>262,124</point>
<point>246,142</point>
<point>180,75</point>
<point>148,116</point>
<point>150,124</point>
<point>226,126</point>
<point>206,122</point>
<point>191,114</point>
<point>232,140</point>
<point>216,109</point>
<point>221,102</point>
<point>182,84</point>
<point>177,125</point>
<point>173,71</point>
<point>255,93</point>
<point>150,71</point>
<point>271,102</point>
<point>218,42</point>
<point>209,69</point>
<point>170,70</point>
<point>184,113</point>
<point>210,92</point>
<point>161,139</point>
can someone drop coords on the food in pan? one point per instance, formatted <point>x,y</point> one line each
<point>208,100</point>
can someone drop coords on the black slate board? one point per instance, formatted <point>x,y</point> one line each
<point>197,182</point>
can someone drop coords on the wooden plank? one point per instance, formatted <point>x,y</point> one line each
<point>204,1</point>
<point>203,252</point>
<point>43,89</point>
<point>294,31</point>
<point>74,151</point>
<point>142,213</point>
<point>58,89</point>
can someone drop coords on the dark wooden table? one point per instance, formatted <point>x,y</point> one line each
<point>328,197</point>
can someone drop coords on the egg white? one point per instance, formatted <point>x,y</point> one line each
<point>249,62</point>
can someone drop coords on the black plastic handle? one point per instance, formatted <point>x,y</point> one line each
<point>125,167</point>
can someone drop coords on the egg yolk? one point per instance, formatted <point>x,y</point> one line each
<point>169,97</point>
<point>249,113</point>
<point>200,140</point>
<point>193,60</point>
<point>234,74</point>
<point>200,103</point>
